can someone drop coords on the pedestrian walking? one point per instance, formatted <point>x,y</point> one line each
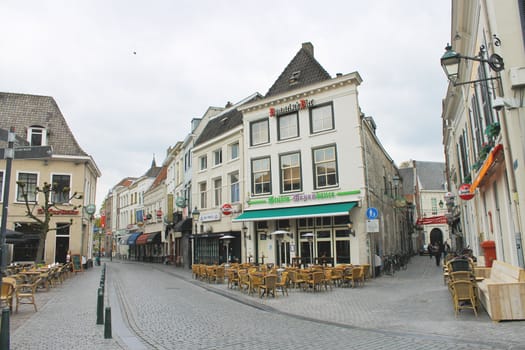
<point>438,250</point>
<point>430,250</point>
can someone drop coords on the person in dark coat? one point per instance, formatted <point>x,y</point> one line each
<point>438,250</point>
<point>430,250</point>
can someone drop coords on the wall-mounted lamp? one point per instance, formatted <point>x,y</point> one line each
<point>395,180</point>
<point>195,214</point>
<point>451,63</point>
<point>245,232</point>
<point>441,204</point>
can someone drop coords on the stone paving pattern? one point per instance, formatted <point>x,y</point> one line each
<point>161,307</point>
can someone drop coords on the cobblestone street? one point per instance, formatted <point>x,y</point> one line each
<point>162,307</point>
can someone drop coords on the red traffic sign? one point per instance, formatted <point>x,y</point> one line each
<point>464,192</point>
<point>227,209</point>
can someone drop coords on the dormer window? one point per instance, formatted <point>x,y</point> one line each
<point>294,78</point>
<point>36,136</point>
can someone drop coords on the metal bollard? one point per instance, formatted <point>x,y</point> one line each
<point>100,307</point>
<point>4,330</point>
<point>107,324</point>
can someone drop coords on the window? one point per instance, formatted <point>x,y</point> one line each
<point>29,181</point>
<point>234,187</point>
<point>234,151</point>
<point>291,173</point>
<point>1,186</point>
<point>321,118</point>
<point>203,194</point>
<point>261,176</point>
<point>217,190</point>
<point>288,126</point>
<point>62,229</point>
<point>217,157</point>
<point>325,167</point>
<point>259,132</point>
<point>36,136</point>
<point>433,202</point>
<point>61,186</point>
<point>203,162</point>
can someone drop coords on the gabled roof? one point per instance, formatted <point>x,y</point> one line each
<point>220,125</point>
<point>224,121</point>
<point>23,111</point>
<point>302,70</point>
<point>431,175</point>
<point>163,173</point>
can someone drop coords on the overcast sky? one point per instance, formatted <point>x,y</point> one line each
<point>130,75</point>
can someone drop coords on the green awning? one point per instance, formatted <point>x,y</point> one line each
<point>333,209</point>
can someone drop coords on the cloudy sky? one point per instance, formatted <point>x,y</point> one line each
<point>129,75</point>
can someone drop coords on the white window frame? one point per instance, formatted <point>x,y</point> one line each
<point>259,132</point>
<point>235,195</point>
<point>322,118</point>
<point>234,151</point>
<point>31,195</point>
<point>288,126</point>
<point>217,192</point>
<point>323,162</point>
<point>203,194</point>
<point>203,162</point>
<point>37,130</point>
<point>217,157</point>
<point>263,173</point>
<point>287,172</point>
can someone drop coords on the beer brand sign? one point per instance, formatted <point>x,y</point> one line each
<point>292,107</point>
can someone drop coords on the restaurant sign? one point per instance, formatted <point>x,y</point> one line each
<point>59,211</point>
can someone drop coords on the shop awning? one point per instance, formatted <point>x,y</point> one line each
<point>153,238</point>
<point>133,238</point>
<point>333,209</point>
<point>433,220</point>
<point>141,240</point>
<point>491,159</point>
<point>183,226</point>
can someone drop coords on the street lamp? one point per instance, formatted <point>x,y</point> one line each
<point>227,239</point>
<point>451,63</point>
<point>310,237</point>
<point>195,214</point>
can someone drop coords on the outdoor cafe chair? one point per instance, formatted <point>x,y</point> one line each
<point>8,292</point>
<point>358,276</point>
<point>25,294</point>
<point>268,286</point>
<point>463,296</point>
<point>295,280</point>
<point>316,280</point>
<point>282,284</point>
<point>255,281</point>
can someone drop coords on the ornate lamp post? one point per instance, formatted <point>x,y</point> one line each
<point>195,214</point>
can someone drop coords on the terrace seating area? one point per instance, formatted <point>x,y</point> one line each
<point>22,281</point>
<point>266,280</point>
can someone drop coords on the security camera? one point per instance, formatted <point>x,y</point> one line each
<point>498,104</point>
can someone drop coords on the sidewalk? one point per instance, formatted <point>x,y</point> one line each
<point>66,317</point>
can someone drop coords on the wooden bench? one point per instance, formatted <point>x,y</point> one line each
<point>503,293</point>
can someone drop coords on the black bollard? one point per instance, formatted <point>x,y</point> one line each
<point>107,324</point>
<point>4,331</point>
<point>100,307</point>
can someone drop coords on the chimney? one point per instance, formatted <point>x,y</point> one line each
<point>309,48</point>
<point>338,74</point>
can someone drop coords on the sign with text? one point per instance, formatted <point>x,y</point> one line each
<point>372,226</point>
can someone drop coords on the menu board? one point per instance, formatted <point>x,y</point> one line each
<point>77,262</point>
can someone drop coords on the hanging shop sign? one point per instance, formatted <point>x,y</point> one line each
<point>227,209</point>
<point>464,192</point>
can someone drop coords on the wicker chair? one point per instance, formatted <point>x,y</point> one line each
<point>269,286</point>
<point>463,296</point>
<point>8,292</point>
<point>282,285</point>
<point>25,294</point>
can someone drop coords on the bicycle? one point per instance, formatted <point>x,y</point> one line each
<point>388,265</point>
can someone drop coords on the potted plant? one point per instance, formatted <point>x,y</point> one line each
<point>493,130</point>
